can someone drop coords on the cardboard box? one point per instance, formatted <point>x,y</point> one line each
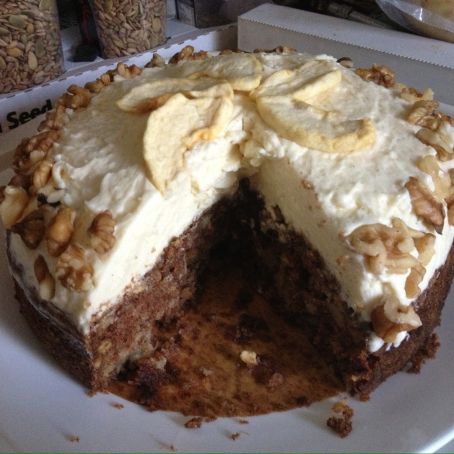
<point>22,108</point>
<point>418,61</point>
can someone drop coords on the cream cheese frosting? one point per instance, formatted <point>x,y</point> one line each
<point>99,166</point>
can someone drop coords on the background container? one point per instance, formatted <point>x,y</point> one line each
<point>127,27</point>
<point>30,45</point>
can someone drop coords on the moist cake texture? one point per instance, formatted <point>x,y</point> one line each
<point>337,181</point>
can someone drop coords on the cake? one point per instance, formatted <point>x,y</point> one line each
<point>334,182</point>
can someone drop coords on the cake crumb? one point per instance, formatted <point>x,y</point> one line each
<point>234,435</point>
<point>193,423</point>
<point>341,424</point>
<point>117,405</point>
<point>243,421</point>
<point>427,351</point>
<point>73,438</point>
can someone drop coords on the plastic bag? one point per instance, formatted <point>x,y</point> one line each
<point>434,18</point>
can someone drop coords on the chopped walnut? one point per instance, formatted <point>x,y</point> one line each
<point>42,174</point>
<point>21,180</point>
<point>73,271</point>
<point>15,201</point>
<point>128,72</point>
<point>442,181</point>
<point>390,318</point>
<point>156,62</point>
<point>55,119</point>
<point>385,247</point>
<point>31,228</point>
<point>436,140</point>
<point>184,54</point>
<point>425,204</point>
<point>33,150</point>
<point>379,74</point>
<point>101,232</point>
<point>95,86</point>
<point>249,357</point>
<point>76,98</point>
<point>410,94</point>
<point>413,280</point>
<point>59,231</point>
<point>44,278</point>
<point>424,113</point>
<point>425,246</point>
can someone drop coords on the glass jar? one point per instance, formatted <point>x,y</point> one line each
<point>30,45</point>
<point>127,27</point>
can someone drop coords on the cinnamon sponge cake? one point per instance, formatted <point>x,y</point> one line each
<point>337,183</point>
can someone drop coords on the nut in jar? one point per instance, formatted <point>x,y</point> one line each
<point>30,46</point>
<point>127,27</point>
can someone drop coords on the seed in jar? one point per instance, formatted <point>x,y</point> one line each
<point>32,61</point>
<point>14,52</point>
<point>18,21</point>
<point>4,31</point>
<point>45,5</point>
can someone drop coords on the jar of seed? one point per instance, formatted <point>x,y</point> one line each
<point>30,45</point>
<point>127,27</point>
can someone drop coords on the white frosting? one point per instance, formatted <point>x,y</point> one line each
<point>99,164</point>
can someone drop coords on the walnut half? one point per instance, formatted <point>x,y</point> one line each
<point>390,318</point>
<point>425,204</point>
<point>101,232</point>
<point>73,270</point>
<point>32,228</point>
<point>60,230</point>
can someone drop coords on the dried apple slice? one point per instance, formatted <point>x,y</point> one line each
<point>152,95</point>
<point>242,71</point>
<point>315,128</point>
<point>306,82</point>
<point>185,122</point>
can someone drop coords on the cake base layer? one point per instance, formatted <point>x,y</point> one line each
<point>294,279</point>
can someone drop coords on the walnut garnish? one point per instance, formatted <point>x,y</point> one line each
<point>128,72</point>
<point>95,86</point>
<point>413,280</point>
<point>31,151</point>
<point>55,119</point>
<point>425,204</point>
<point>32,228</point>
<point>425,246</point>
<point>442,181</point>
<point>379,74</point>
<point>21,180</point>
<point>184,54</point>
<point>15,201</point>
<point>156,62</point>
<point>390,318</point>
<point>76,98</point>
<point>73,271</point>
<point>59,231</point>
<point>424,113</point>
<point>385,247</point>
<point>42,174</point>
<point>101,232</point>
<point>44,278</point>
<point>436,140</point>
<point>410,94</point>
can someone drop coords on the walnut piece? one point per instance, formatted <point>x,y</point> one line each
<point>44,278</point>
<point>31,151</point>
<point>59,231</point>
<point>76,98</point>
<point>42,174</point>
<point>15,201</point>
<point>128,72</point>
<point>385,247</point>
<point>424,113</point>
<point>156,62</point>
<point>425,204</point>
<point>410,94</point>
<point>101,232</point>
<point>413,280</point>
<point>379,74</point>
<point>442,181</point>
<point>425,246</point>
<point>31,228</point>
<point>55,119</point>
<point>184,54</point>
<point>73,271</point>
<point>436,140</point>
<point>390,318</point>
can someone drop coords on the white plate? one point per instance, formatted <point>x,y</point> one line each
<point>41,406</point>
